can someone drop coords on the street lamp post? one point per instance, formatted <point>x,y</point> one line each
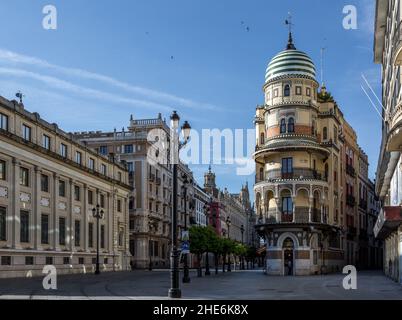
<point>98,214</point>
<point>150,247</point>
<point>186,275</point>
<point>174,291</point>
<point>242,242</point>
<point>207,272</point>
<point>228,222</point>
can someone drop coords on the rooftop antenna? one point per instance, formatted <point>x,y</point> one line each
<point>322,66</point>
<point>20,95</point>
<point>288,22</point>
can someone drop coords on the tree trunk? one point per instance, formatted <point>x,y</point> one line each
<point>223,262</point>
<point>199,269</point>
<point>216,257</point>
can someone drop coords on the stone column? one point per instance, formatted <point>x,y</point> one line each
<point>310,203</point>
<point>294,208</point>
<point>278,213</point>
<point>84,220</point>
<point>55,217</point>
<point>110,225</point>
<point>70,219</point>
<point>36,208</point>
<point>15,204</point>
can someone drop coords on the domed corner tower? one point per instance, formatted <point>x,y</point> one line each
<point>292,188</point>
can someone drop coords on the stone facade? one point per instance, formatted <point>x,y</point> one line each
<point>49,184</point>
<point>388,53</point>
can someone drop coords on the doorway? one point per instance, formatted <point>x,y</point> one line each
<point>288,259</point>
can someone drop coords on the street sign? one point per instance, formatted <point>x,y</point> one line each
<point>185,247</point>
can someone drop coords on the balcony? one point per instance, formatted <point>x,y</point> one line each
<point>350,200</point>
<point>301,216</point>
<point>389,220</point>
<point>394,142</point>
<point>297,174</point>
<point>397,46</point>
<point>151,177</point>
<point>350,170</point>
<point>363,204</point>
<point>158,181</point>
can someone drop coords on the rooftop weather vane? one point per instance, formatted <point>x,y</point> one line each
<point>288,22</point>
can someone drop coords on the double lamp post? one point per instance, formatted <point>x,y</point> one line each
<point>176,145</point>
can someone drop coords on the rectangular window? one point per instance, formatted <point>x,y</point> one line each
<point>62,188</point>
<point>103,169</point>
<point>24,227</point>
<point>3,122</point>
<point>121,238</point>
<point>90,197</point>
<point>298,90</point>
<point>77,233</point>
<point>287,205</point>
<point>3,225</point>
<point>118,205</point>
<point>308,92</point>
<point>103,150</point>
<point>119,176</point>
<point>66,260</point>
<point>130,166</point>
<point>90,235</point>
<point>26,132</point>
<point>62,231</point>
<point>44,183</point>
<point>77,193</point>
<point>287,168</point>
<point>81,261</point>
<point>46,142</point>
<point>44,229</point>
<point>102,200</point>
<point>276,93</point>
<point>102,237</point>
<point>49,260</point>
<point>24,177</point>
<point>5,260</point>
<point>29,261</point>
<point>2,170</point>
<point>63,150</point>
<point>91,164</point>
<point>128,148</point>
<point>78,157</point>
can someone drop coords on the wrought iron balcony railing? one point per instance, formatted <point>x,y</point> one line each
<point>296,174</point>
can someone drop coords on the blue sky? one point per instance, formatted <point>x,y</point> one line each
<point>110,59</point>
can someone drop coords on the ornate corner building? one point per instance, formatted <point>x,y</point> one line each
<point>306,162</point>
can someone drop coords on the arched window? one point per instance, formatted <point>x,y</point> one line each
<point>291,125</point>
<point>283,126</point>
<point>262,138</point>
<point>325,133</point>
<point>286,91</point>
<point>313,128</point>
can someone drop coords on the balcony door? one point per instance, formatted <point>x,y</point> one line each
<point>287,168</point>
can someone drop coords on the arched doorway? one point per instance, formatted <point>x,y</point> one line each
<point>288,259</point>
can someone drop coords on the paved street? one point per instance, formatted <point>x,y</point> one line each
<point>251,284</point>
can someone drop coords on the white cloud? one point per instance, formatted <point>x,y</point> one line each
<point>13,57</point>
<point>83,91</point>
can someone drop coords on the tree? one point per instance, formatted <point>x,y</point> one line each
<point>215,246</point>
<point>198,244</point>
